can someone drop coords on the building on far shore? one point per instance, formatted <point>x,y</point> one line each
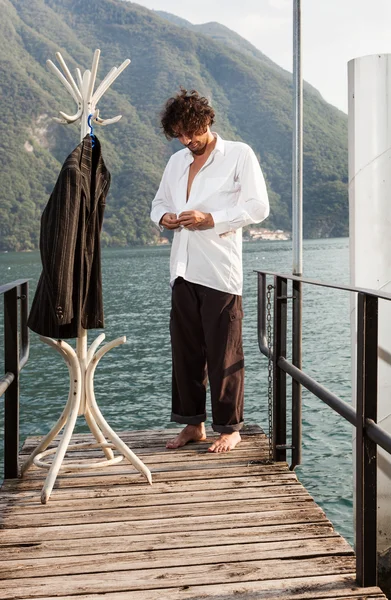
<point>261,233</point>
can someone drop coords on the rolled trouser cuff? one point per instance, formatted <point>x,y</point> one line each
<point>194,420</point>
<point>227,428</point>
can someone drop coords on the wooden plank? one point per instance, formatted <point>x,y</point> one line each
<point>261,481</point>
<point>198,489</point>
<point>213,465</point>
<point>160,466</point>
<point>284,516</point>
<point>147,441</point>
<point>159,541</point>
<point>229,508</point>
<point>247,432</point>
<point>148,446</point>
<point>171,558</point>
<point>166,457</point>
<point>145,449</point>
<point>299,588</point>
<point>222,592</point>
<point>153,500</point>
<point>148,579</point>
<point>109,478</point>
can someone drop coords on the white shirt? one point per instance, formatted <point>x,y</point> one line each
<point>231,187</point>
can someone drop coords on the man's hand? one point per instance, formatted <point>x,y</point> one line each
<point>169,221</point>
<point>195,219</point>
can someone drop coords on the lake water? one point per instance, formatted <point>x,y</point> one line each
<point>132,382</point>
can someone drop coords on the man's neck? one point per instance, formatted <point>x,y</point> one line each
<point>202,158</point>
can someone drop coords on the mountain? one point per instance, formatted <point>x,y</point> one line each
<point>221,33</point>
<point>251,96</point>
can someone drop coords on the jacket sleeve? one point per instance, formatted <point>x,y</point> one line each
<point>253,204</point>
<point>60,222</point>
<point>162,203</point>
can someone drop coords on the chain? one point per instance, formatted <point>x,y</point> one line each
<point>270,367</point>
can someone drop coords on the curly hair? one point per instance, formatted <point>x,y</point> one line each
<point>188,110</point>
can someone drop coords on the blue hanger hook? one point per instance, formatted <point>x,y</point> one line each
<point>91,130</point>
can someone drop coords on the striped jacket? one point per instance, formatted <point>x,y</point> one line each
<point>69,291</point>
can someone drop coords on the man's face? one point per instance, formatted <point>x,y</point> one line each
<point>196,142</point>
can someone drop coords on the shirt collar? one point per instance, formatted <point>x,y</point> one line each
<point>219,147</point>
<point>220,144</point>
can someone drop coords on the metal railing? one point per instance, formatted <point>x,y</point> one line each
<point>369,434</point>
<point>16,352</point>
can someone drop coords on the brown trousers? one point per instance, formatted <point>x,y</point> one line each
<point>206,341</point>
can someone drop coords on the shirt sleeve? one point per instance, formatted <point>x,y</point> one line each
<point>162,203</point>
<point>253,204</point>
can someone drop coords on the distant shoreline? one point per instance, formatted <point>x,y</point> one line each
<point>249,235</point>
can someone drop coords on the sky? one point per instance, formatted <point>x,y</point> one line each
<point>333,32</point>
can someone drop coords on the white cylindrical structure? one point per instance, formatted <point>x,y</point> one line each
<point>370,240</point>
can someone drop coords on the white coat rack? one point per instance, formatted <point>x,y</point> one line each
<point>82,363</point>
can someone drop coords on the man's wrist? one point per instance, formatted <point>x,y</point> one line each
<point>209,220</point>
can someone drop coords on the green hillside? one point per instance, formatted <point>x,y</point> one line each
<point>221,33</point>
<point>251,95</point>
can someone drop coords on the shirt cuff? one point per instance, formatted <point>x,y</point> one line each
<point>157,217</point>
<point>221,221</point>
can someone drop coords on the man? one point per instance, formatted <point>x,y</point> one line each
<point>208,192</point>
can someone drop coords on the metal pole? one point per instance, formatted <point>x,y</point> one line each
<point>297,158</point>
<point>297,362</point>
<point>82,338</point>
<point>297,229</point>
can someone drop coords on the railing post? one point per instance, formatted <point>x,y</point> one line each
<point>297,362</point>
<point>279,383</point>
<point>11,399</point>
<point>366,450</point>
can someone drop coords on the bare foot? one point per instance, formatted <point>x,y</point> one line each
<point>226,442</point>
<point>191,433</point>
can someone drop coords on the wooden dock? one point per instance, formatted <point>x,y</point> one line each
<point>218,526</point>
